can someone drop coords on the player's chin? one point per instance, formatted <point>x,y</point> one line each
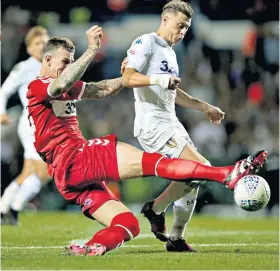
<point>177,40</point>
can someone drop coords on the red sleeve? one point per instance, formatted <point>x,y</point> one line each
<point>76,92</point>
<point>39,89</point>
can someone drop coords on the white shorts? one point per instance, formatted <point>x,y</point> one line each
<point>175,146</point>
<point>176,139</point>
<point>27,138</point>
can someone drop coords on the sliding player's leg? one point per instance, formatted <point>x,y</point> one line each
<point>133,163</point>
<point>120,224</point>
<point>111,160</point>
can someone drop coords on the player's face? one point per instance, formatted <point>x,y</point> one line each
<point>176,26</point>
<point>35,47</point>
<point>59,60</point>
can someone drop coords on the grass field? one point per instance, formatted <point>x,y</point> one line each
<point>224,244</point>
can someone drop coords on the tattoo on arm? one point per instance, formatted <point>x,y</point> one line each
<point>72,73</point>
<point>102,89</point>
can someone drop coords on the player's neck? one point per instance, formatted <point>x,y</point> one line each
<point>38,59</point>
<point>44,71</point>
<point>161,34</point>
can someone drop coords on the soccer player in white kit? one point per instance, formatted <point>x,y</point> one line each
<point>34,172</point>
<point>152,66</point>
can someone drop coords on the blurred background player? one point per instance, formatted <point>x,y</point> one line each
<point>151,65</point>
<point>34,172</point>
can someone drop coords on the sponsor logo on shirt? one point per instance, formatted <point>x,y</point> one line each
<point>139,41</point>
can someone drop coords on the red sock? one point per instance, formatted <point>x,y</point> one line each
<point>123,228</point>
<point>179,169</point>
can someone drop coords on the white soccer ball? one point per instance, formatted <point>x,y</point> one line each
<point>252,193</point>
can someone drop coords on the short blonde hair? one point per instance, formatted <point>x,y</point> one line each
<point>56,43</point>
<point>34,32</point>
<point>176,6</point>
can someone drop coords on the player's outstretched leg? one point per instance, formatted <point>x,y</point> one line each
<point>122,226</point>
<point>182,170</point>
<point>133,163</point>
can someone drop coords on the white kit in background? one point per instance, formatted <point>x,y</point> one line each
<point>17,81</point>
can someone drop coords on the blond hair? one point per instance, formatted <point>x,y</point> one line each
<point>176,6</point>
<point>56,42</point>
<point>34,32</point>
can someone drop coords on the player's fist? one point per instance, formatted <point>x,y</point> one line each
<point>215,114</point>
<point>94,35</point>
<point>124,63</point>
<point>5,119</point>
<point>174,82</point>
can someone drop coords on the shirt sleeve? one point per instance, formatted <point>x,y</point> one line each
<point>38,89</point>
<point>9,87</point>
<point>139,52</point>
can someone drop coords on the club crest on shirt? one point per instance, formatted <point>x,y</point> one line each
<point>87,202</point>
<point>171,143</point>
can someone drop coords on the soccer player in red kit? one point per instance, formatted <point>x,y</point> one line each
<point>80,167</point>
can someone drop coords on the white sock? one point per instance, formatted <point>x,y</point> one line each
<point>8,196</point>
<point>30,187</point>
<point>183,209</point>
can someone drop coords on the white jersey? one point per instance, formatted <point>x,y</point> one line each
<point>155,122</point>
<point>17,81</point>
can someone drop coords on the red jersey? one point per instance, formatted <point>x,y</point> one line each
<point>53,119</point>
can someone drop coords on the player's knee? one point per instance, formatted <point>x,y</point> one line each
<point>129,222</point>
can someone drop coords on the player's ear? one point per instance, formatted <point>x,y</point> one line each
<point>165,20</point>
<point>48,60</point>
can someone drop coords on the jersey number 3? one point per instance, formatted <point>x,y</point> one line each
<point>71,108</point>
<point>164,66</point>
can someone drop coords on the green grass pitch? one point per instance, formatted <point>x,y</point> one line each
<point>224,244</point>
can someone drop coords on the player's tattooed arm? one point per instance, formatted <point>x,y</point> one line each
<point>102,89</point>
<point>72,73</point>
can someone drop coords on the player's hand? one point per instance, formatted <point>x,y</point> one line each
<point>5,119</point>
<point>124,63</point>
<point>94,35</point>
<point>174,82</point>
<point>215,114</point>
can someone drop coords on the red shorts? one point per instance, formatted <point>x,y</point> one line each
<point>82,180</point>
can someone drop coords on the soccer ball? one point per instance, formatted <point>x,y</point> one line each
<point>252,193</point>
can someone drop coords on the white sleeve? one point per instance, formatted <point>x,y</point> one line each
<point>9,87</point>
<point>139,53</point>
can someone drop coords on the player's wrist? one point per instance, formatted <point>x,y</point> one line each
<point>161,80</point>
<point>93,49</point>
<point>204,107</point>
